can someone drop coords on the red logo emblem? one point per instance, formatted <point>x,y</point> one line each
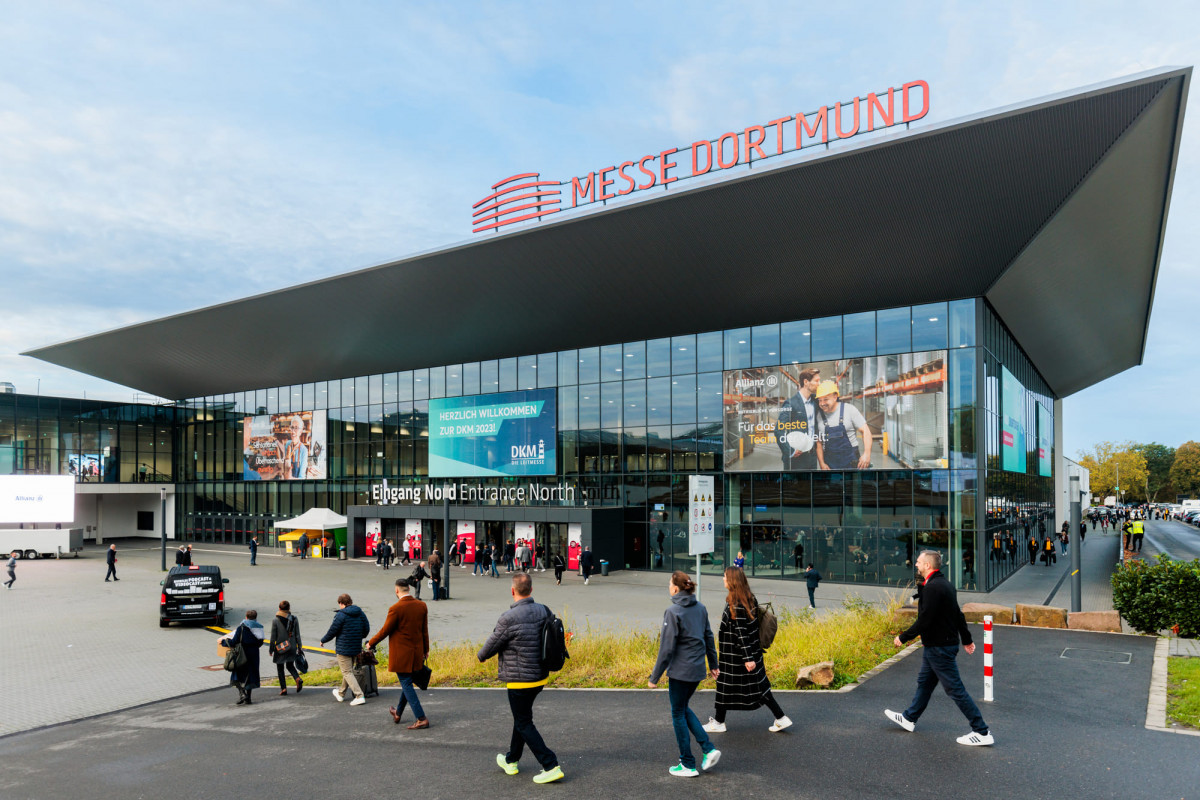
<point>515,199</point>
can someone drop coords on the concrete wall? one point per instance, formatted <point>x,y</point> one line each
<point>113,514</point>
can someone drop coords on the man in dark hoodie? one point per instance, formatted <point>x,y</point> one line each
<point>940,624</point>
<point>350,627</point>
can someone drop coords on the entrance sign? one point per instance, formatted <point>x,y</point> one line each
<point>701,514</point>
<point>526,196</point>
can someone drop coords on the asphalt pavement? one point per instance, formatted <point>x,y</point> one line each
<point>1172,537</point>
<point>1064,727</point>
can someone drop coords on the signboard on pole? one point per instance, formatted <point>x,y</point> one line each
<point>701,515</point>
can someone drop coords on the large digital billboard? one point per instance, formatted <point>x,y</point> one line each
<point>878,412</point>
<point>284,447</point>
<point>510,433</point>
<point>37,498</point>
<point>1045,441</point>
<point>1012,422</point>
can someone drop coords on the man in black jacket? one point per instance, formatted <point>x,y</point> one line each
<point>940,624</point>
<point>517,640</point>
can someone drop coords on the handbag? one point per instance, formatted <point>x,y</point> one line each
<point>421,677</point>
<point>301,661</point>
<point>235,659</point>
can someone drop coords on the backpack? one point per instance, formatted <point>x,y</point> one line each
<point>553,641</point>
<point>768,624</point>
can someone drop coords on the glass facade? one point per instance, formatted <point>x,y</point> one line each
<point>634,420</point>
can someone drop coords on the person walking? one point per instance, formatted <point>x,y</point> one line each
<point>494,556</point>
<point>517,644</point>
<point>303,546</point>
<point>743,684</point>
<point>12,569</point>
<point>407,631</point>
<point>539,558</point>
<point>1082,532</point>
<point>249,634</point>
<point>253,550</point>
<point>940,624</point>
<point>112,564</point>
<point>509,552</point>
<point>418,575</point>
<point>1048,555</point>
<point>1139,533</point>
<point>387,554</point>
<point>350,626</point>
<point>285,646</point>
<point>585,564</point>
<point>522,556</point>
<point>181,556</point>
<point>685,643</point>
<point>813,579</point>
<point>560,564</point>
<point>1032,545</point>
<point>481,559</point>
<point>435,573</point>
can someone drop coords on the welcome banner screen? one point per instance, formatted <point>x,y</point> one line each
<point>510,433</point>
<point>878,412</point>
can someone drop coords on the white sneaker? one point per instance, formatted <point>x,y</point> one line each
<point>680,771</point>
<point>712,726</point>
<point>780,724</point>
<point>585,583</point>
<point>900,719</point>
<point>337,694</point>
<point>710,759</point>
<point>974,739</point>
<point>358,701</point>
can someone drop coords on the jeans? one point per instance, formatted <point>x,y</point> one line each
<point>938,664</point>
<point>346,665</point>
<point>437,590</point>
<point>409,696</point>
<point>524,732</point>
<point>812,597</point>
<point>478,569</point>
<point>685,722</point>
<point>495,574</point>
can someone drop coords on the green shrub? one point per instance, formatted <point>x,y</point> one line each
<point>1160,595</point>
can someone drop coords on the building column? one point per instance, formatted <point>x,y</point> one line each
<point>1062,504</point>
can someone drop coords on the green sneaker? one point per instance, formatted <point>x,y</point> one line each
<point>502,762</point>
<point>710,760</point>
<point>680,771</point>
<point>548,775</point>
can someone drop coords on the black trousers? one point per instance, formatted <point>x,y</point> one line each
<point>112,572</point>
<point>524,732</point>
<point>291,667</point>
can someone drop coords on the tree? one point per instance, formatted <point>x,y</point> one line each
<point>1106,460</point>
<point>1159,459</point>
<point>1185,472</point>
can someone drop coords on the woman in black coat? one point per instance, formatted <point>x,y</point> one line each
<point>249,634</point>
<point>285,646</point>
<point>742,684</point>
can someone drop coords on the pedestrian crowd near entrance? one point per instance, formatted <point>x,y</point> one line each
<point>530,643</point>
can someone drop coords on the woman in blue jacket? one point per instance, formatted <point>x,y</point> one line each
<point>685,643</point>
<point>249,634</point>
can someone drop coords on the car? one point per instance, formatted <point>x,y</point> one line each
<point>192,594</point>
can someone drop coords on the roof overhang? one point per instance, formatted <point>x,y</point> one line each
<point>1061,199</point>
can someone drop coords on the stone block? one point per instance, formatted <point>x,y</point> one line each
<point>1041,616</point>
<point>815,675</point>
<point>975,612</point>
<point>1105,621</point>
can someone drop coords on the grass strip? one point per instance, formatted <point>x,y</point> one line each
<point>856,638</point>
<point>1183,691</point>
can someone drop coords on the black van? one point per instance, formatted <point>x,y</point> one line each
<point>192,594</point>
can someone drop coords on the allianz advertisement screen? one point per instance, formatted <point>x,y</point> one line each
<point>510,433</point>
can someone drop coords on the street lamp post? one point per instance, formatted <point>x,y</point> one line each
<point>162,517</point>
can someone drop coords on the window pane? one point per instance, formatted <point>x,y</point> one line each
<point>489,377</point>
<point>826,338</point>
<point>471,378</point>
<point>929,326</point>
<point>420,385</point>
<point>858,332</point>
<point>764,341</point>
<point>708,397</point>
<point>610,362</point>
<point>437,382</point>
<point>794,342</point>
<point>589,365</point>
<point>683,354</point>
<point>893,330</point>
<point>635,403</point>
<point>658,400</point>
<point>547,369</point>
<point>708,352</point>
<point>568,408</point>
<point>683,399</point>
<point>611,404</point>
<point>658,358</point>
<point>635,360</point>
<point>404,387</point>
<point>568,367</point>
<point>527,372</point>
<point>737,348</point>
<point>962,323</point>
<point>589,406</point>
<point>389,388</point>
<point>508,374</point>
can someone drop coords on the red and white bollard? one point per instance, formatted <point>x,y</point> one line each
<point>987,659</point>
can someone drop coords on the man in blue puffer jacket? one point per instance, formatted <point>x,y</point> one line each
<point>517,640</point>
<point>350,627</point>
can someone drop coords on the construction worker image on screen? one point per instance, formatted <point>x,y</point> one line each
<point>796,425</point>
<point>843,438</point>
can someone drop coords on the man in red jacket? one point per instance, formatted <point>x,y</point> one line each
<point>940,624</point>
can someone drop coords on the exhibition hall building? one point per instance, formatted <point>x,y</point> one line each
<point>860,324</point>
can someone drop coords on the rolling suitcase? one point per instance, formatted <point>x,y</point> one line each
<point>368,681</point>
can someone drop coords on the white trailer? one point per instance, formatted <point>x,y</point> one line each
<point>42,542</point>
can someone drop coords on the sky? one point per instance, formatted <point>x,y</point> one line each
<point>161,157</point>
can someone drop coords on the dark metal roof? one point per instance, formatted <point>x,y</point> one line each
<point>1063,199</point>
